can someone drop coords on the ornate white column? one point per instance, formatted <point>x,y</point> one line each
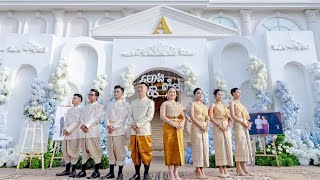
<point>246,22</point>
<point>314,26</point>
<point>59,24</point>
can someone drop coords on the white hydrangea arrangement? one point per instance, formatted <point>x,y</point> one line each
<point>191,79</point>
<point>259,84</point>
<point>5,140</point>
<point>127,79</point>
<point>59,81</point>
<point>305,143</point>
<point>35,109</point>
<point>222,85</point>
<point>302,147</point>
<point>4,88</point>
<point>100,83</point>
<point>8,156</point>
<point>290,109</point>
<point>315,74</point>
<point>259,71</point>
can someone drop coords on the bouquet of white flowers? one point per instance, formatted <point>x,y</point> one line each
<point>222,85</point>
<point>127,79</point>
<point>4,88</point>
<point>259,84</point>
<point>35,109</point>
<point>191,79</point>
<point>59,81</point>
<point>100,83</point>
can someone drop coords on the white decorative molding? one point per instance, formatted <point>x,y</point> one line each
<point>197,11</point>
<point>159,49</point>
<point>311,15</point>
<point>30,46</point>
<point>246,15</point>
<point>127,11</point>
<point>291,44</point>
<point>120,28</point>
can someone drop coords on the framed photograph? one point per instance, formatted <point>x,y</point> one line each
<point>59,123</point>
<point>266,123</point>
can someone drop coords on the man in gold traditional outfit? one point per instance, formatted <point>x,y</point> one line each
<point>140,115</point>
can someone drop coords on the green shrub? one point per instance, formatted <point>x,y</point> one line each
<point>212,161</point>
<point>284,160</point>
<point>36,162</point>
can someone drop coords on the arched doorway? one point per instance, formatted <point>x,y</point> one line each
<point>159,81</point>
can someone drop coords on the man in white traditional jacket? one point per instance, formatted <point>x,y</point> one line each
<point>115,118</point>
<point>140,114</point>
<point>90,119</point>
<point>72,140</point>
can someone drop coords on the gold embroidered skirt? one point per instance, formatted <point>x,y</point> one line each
<point>173,145</point>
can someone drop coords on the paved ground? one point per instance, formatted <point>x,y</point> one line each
<point>158,171</point>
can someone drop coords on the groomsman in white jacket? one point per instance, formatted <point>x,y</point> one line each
<point>72,140</point>
<point>116,116</point>
<point>90,119</point>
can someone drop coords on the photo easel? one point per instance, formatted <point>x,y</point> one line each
<point>273,144</point>
<point>56,145</point>
<point>34,150</point>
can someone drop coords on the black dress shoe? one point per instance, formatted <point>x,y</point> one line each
<point>64,173</point>
<point>73,174</point>
<point>135,177</point>
<point>146,177</point>
<point>120,177</point>
<point>94,175</point>
<point>81,174</point>
<point>108,176</point>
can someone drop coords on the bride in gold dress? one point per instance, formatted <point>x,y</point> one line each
<point>220,116</point>
<point>241,118</point>
<point>199,134</point>
<point>171,113</point>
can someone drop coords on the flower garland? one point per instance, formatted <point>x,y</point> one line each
<point>127,79</point>
<point>191,79</point>
<point>259,84</point>
<point>221,84</point>
<point>4,89</point>
<point>315,73</point>
<point>289,110</point>
<point>59,81</point>
<point>100,83</point>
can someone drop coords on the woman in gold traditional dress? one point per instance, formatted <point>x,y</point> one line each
<point>199,134</point>
<point>242,125</point>
<point>220,116</point>
<point>171,113</point>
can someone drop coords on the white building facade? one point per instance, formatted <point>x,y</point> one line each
<point>211,37</point>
